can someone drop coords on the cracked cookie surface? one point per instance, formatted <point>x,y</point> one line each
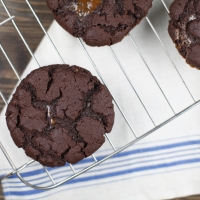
<point>60,114</point>
<point>99,22</point>
<point>184,29</point>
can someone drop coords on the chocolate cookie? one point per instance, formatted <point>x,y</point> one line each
<point>99,22</point>
<point>60,114</point>
<point>184,29</point>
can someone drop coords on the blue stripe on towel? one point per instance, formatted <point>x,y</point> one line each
<point>123,154</point>
<point>123,165</point>
<point>119,172</point>
<point>111,174</point>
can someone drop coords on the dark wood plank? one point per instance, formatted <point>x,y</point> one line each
<point>196,197</point>
<point>12,43</point>
<point>1,193</point>
<point>29,28</point>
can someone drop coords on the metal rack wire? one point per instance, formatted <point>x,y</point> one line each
<point>115,149</point>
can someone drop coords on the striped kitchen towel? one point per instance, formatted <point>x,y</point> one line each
<point>164,165</point>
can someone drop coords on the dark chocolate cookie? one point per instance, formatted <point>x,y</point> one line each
<point>60,114</point>
<point>184,29</point>
<point>99,22</point>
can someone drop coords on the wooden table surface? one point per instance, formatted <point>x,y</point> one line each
<point>16,50</point>
<point>12,43</point>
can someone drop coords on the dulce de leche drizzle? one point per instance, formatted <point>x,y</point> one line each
<point>52,120</point>
<point>84,7</point>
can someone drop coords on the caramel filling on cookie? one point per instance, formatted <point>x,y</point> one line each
<point>84,7</point>
<point>52,120</point>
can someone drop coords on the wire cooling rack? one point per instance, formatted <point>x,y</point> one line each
<point>115,150</point>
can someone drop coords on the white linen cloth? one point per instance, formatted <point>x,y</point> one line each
<point>164,165</point>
